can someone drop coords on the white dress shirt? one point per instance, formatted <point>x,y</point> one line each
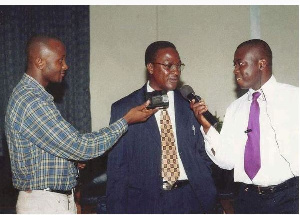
<point>279,135</point>
<point>171,112</point>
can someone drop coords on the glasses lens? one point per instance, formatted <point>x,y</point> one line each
<point>178,67</point>
<point>172,67</point>
<point>181,67</point>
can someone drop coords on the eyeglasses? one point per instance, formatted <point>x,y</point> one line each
<point>172,67</point>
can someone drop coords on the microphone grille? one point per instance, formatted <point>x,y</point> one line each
<point>185,90</point>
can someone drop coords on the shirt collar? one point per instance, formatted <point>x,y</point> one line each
<point>37,86</point>
<point>169,93</point>
<point>150,89</point>
<point>267,90</point>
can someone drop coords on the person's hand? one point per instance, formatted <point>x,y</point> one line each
<point>139,113</point>
<point>199,108</point>
<point>81,165</point>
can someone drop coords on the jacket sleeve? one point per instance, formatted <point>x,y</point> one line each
<point>117,169</point>
<point>201,146</point>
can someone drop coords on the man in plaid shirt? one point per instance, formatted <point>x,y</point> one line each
<point>41,143</point>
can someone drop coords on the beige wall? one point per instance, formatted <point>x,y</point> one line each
<point>206,38</point>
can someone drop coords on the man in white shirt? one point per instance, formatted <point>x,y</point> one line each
<point>268,172</point>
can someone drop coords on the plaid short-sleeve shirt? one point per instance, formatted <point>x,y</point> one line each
<point>42,145</point>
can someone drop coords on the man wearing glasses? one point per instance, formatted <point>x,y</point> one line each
<point>160,166</point>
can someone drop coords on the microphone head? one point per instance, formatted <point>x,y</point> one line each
<point>186,91</point>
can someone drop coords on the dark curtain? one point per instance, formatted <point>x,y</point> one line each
<point>72,97</point>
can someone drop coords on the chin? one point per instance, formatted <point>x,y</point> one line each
<point>242,86</point>
<point>169,88</point>
<point>172,86</point>
<point>58,81</point>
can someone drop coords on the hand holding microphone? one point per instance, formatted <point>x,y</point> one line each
<point>139,113</point>
<point>205,118</point>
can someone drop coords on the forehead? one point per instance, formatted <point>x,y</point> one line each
<point>245,53</point>
<point>57,47</point>
<point>167,53</point>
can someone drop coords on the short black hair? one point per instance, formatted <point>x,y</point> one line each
<point>263,47</point>
<point>152,49</point>
<point>39,39</point>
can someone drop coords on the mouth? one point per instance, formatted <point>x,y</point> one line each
<point>173,80</point>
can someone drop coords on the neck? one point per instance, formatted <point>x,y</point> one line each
<point>36,75</point>
<point>264,77</point>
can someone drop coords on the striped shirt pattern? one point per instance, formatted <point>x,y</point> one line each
<point>42,145</point>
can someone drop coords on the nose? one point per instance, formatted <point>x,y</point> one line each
<point>176,70</point>
<point>236,70</point>
<point>65,66</point>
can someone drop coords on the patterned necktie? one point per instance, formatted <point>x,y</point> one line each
<point>252,150</point>
<point>169,163</point>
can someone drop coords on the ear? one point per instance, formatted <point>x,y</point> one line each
<point>262,64</point>
<point>39,63</point>
<point>150,68</point>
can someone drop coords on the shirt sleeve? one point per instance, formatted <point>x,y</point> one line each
<point>44,126</point>
<point>219,146</point>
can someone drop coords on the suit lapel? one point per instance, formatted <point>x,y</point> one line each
<point>181,118</point>
<point>151,126</point>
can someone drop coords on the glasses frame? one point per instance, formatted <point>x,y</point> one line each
<point>172,67</point>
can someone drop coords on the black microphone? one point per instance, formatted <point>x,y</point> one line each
<point>188,93</point>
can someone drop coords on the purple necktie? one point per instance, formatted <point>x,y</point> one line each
<point>252,149</point>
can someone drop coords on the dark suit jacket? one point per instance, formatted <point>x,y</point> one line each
<point>134,182</point>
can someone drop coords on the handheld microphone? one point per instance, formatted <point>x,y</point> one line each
<point>188,93</point>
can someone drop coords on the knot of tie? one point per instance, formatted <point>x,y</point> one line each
<point>255,95</point>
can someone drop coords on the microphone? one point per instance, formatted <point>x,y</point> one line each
<point>188,93</point>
